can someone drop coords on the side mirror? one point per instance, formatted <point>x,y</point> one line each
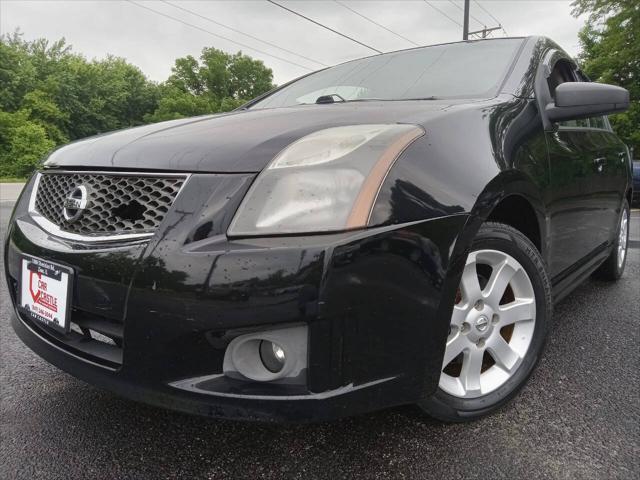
<point>576,100</point>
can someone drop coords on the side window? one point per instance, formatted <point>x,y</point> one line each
<point>580,123</point>
<point>598,122</point>
<point>563,72</point>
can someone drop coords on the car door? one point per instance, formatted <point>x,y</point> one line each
<point>613,178</point>
<point>585,175</point>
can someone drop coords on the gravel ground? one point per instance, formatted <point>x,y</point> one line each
<point>578,417</point>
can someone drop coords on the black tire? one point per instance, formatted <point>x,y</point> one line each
<point>611,270</point>
<point>497,236</point>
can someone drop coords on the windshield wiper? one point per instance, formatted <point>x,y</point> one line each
<point>419,98</point>
<point>372,99</point>
<point>393,99</point>
<point>330,99</point>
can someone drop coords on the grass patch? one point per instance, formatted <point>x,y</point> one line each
<point>12,180</point>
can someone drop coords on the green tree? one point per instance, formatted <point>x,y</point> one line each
<point>50,95</point>
<point>42,110</point>
<point>218,82</point>
<point>64,90</point>
<point>248,78</point>
<point>610,43</point>
<point>176,103</point>
<point>101,96</point>
<point>22,144</point>
<point>17,74</point>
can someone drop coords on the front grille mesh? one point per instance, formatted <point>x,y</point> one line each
<point>117,204</point>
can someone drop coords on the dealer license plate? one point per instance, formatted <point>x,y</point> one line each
<point>45,292</point>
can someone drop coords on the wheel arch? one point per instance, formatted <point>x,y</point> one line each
<point>510,188</point>
<point>499,201</point>
<point>512,198</point>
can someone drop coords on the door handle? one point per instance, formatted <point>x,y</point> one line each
<point>599,163</point>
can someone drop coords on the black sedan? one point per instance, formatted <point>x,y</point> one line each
<point>392,230</point>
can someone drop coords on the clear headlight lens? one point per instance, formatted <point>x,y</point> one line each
<point>326,181</point>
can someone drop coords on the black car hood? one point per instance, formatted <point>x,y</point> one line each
<point>240,141</point>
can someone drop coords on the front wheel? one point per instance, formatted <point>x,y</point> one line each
<point>498,327</point>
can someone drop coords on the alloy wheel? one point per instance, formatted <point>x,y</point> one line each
<point>622,237</point>
<point>492,325</point>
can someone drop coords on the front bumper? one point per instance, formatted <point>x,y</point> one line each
<point>376,304</point>
<point>247,405</point>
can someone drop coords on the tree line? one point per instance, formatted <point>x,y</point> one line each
<point>50,95</point>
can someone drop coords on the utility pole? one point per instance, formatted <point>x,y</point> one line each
<point>485,31</point>
<point>465,28</point>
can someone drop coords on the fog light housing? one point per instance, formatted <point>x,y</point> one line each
<point>278,356</point>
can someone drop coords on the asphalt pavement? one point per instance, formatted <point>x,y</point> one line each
<point>9,192</point>
<point>578,417</point>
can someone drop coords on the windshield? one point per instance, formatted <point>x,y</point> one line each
<point>456,70</point>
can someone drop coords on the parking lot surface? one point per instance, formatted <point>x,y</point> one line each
<point>578,417</point>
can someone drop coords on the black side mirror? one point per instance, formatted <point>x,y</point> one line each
<point>576,100</point>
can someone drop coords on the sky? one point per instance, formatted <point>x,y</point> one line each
<point>152,40</point>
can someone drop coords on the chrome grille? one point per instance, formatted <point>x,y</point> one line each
<point>117,203</point>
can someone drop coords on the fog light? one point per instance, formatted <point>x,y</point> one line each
<point>278,355</point>
<point>272,356</point>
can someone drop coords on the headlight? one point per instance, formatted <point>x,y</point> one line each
<point>326,181</point>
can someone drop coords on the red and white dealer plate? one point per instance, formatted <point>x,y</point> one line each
<point>45,292</point>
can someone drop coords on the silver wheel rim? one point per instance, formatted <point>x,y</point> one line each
<point>622,238</point>
<point>491,327</point>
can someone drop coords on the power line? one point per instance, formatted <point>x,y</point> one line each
<point>218,36</point>
<point>376,23</point>
<point>491,15</point>
<point>486,11</point>
<point>242,33</point>
<point>324,26</point>
<point>441,12</point>
<point>460,8</point>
